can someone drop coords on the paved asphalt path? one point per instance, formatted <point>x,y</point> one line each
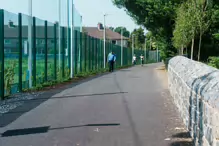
<point>124,108</point>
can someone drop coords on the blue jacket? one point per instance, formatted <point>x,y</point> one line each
<point>111,57</point>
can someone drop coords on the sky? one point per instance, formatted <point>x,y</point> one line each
<point>92,11</point>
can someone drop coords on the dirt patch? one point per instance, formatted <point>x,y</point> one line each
<point>177,133</point>
<point>161,73</point>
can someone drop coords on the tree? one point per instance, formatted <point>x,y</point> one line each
<point>191,28</point>
<point>119,30</point>
<point>139,38</point>
<point>185,26</point>
<point>204,11</point>
<point>193,18</point>
<point>111,28</point>
<point>155,15</point>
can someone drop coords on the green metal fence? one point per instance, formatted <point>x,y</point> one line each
<point>51,56</point>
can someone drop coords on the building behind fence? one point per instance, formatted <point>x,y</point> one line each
<point>49,62</point>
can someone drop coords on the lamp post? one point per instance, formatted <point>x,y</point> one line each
<point>72,41</point>
<point>59,35</point>
<point>30,42</point>
<point>157,54</point>
<point>104,36</point>
<point>122,47</point>
<point>133,44</point>
<point>145,51</point>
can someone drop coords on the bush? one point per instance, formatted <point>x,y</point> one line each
<point>213,61</point>
<point>166,62</point>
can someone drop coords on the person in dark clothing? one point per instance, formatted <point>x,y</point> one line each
<point>111,61</point>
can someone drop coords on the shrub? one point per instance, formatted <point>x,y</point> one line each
<point>213,61</point>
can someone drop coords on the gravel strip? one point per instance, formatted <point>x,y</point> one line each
<point>16,100</point>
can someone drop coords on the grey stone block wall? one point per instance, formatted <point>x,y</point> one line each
<point>195,89</point>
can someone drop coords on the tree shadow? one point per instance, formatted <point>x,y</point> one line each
<point>45,129</point>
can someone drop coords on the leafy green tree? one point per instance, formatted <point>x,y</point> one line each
<point>111,28</point>
<point>120,29</point>
<point>155,15</point>
<point>185,27</point>
<point>193,18</point>
<point>204,18</point>
<point>139,38</point>
<point>178,24</point>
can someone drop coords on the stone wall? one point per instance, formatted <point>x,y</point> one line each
<point>195,89</point>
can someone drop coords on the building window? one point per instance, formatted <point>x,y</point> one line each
<point>52,41</point>
<point>113,41</point>
<point>7,41</point>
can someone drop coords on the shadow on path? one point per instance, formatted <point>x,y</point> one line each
<point>45,129</point>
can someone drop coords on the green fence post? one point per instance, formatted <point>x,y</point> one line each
<point>34,52</point>
<point>94,57</point>
<point>20,51</point>
<point>85,52</point>
<point>76,52</point>
<point>89,53</point>
<point>46,52</point>
<point>2,54</point>
<point>94,50</point>
<point>69,51</point>
<point>63,52</point>
<point>92,54</point>
<point>55,51</point>
<point>96,54</point>
<point>81,51</point>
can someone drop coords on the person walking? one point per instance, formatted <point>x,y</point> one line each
<point>134,60</point>
<point>142,59</point>
<point>111,61</point>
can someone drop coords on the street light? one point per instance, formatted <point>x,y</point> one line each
<point>133,44</point>
<point>122,47</point>
<point>59,35</point>
<point>104,44</point>
<point>72,41</point>
<point>145,48</point>
<point>30,42</point>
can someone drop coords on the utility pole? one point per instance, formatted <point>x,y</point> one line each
<point>68,26</point>
<point>30,21</point>
<point>145,51</point>
<point>104,44</point>
<point>59,35</point>
<point>122,47</point>
<point>72,41</point>
<point>133,44</point>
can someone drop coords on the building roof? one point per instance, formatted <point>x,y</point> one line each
<point>97,33</point>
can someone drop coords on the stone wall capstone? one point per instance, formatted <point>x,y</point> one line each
<point>195,89</point>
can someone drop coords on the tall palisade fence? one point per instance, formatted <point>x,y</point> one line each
<point>51,55</point>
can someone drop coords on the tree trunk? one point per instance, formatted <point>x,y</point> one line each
<point>192,47</point>
<point>182,50</point>
<point>199,47</point>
